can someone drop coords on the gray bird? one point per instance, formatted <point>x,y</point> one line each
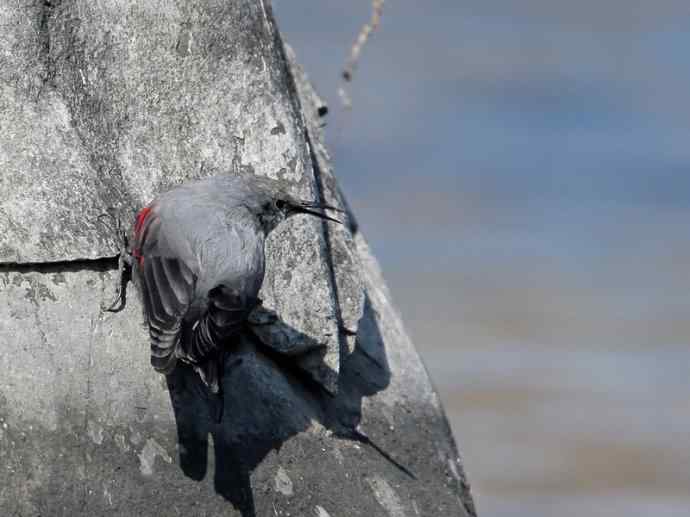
<point>197,259</point>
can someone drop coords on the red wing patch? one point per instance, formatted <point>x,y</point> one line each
<point>140,224</point>
<point>136,253</point>
<point>141,218</point>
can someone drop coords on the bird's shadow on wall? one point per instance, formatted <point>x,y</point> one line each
<point>266,400</point>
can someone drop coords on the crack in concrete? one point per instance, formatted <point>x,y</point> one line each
<point>108,263</point>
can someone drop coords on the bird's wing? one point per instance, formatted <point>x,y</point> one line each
<point>166,286</point>
<point>227,311</point>
<point>232,260</point>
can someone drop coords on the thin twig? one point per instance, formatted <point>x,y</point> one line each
<point>356,50</point>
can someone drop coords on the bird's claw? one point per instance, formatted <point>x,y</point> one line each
<point>124,268</point>
<point>124,276</point>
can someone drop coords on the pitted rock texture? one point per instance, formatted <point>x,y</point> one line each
<point>109,103</point>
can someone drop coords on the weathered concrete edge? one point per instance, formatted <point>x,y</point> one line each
<point>369,274</point>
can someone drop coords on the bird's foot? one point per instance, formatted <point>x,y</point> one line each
<point>124,267</point>
<point>123,278</point>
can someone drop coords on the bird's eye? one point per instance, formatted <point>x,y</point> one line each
<point>280,204</point>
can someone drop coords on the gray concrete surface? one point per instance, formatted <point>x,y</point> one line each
<point>105,104</point>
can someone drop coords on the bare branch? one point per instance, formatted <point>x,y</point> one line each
<point>356,50</point>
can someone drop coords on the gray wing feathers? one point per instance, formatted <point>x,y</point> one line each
<point>227,312</point>
<point>167,287</point>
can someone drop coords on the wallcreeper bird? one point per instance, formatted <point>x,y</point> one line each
<point>197,260</point>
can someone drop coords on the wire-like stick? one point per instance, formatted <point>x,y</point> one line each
<point>356,50</point>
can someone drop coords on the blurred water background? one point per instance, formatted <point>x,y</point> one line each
<point>522,171</point>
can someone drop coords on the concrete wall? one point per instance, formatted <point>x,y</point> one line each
<point>327,412</point>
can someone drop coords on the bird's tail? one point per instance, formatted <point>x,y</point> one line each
<point>226,314</point>
<point>211,371</point>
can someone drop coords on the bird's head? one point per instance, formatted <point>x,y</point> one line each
<point>276,208</point>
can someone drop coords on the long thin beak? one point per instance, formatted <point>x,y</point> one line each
<point>306,207</point>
